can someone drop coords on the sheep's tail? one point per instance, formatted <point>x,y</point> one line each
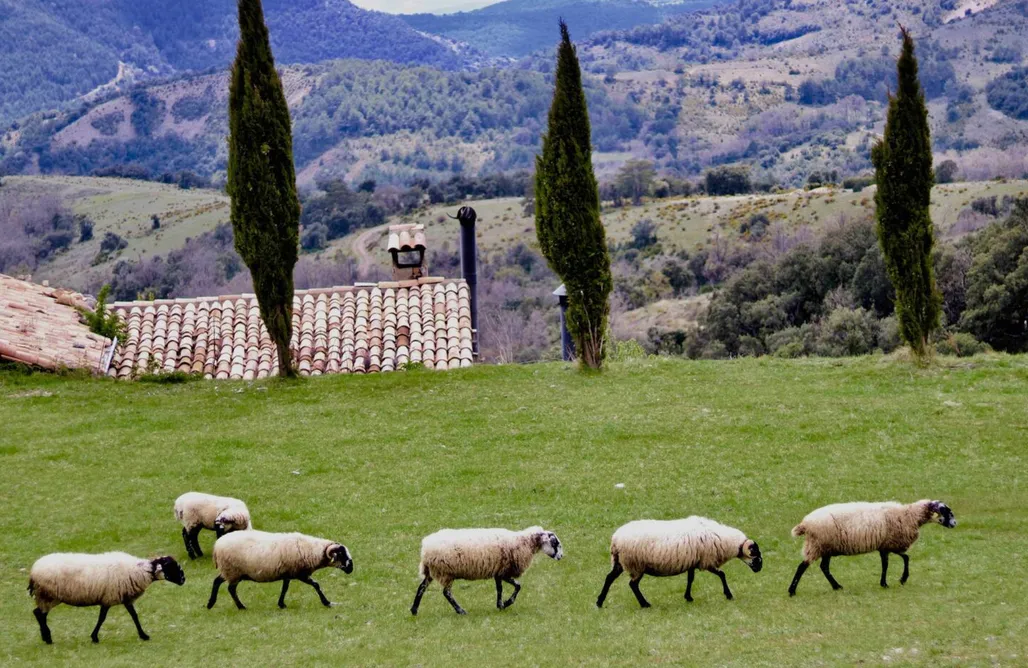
<point>32,587</point>
<point>799,530</point>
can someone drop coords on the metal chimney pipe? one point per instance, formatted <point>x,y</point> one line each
<point>567,345</point>
<point>469,266</point>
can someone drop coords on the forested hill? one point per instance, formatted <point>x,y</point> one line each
<point>521,27</point>
<point>54,51</point>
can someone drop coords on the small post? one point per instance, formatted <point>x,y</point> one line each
<point>567,346</point>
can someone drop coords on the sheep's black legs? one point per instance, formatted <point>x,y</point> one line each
<point>95,635</point>
<point>135,620</point>
<point>517,587</point>
<point>449,597</point>
<point>688,585</point>
<point>232,592</point>
<point>825,565</point>
<point>421,592</point>
<point>194,537</point>
<point>724,582</point>
<point>282,596</point>
<point>189,543</point>
<point>906,567</point>
<point>44,630</point>
<point>615,572</point>
<point>634,584</point>
<point>324,601</point>
<point>218,581</point>
<point>499,592</point>
<point>796,578</point>
<point>885,566</point>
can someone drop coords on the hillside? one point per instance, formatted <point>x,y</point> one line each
<point>786,88</point>
<point>53,52</point>
<point>753,443</point>
<point>517,28</point>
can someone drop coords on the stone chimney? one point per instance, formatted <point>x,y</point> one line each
<point>407,246</point>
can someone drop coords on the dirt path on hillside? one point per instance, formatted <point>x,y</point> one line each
<point>365,260</point>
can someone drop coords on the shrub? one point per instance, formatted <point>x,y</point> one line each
<point>1009,93</point>
<point>715,350</point>
<point>888,334</point>
<point>728,181</point>
<point>112,243</point>
<point>750,346</point>
<point>847,332</point>
<point>961,344</point>
<point>624,350</point>
<point>314,237</point>
<point>85,229</point>
<point>101,322</point>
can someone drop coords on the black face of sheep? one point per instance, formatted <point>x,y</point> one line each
<point>551,546</point>
<point>339,557</point>
<point>945,515</point>
<point>166,568</point>
<point>749,552</point>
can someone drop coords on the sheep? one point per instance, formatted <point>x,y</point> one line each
<point>479,554</point>
<point>221,514</point>
<point>260,556</point>
<point>672,547</point>
<point>859,528</point>
<point>108,579</point>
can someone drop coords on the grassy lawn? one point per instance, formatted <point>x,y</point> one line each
<point>379,461</point>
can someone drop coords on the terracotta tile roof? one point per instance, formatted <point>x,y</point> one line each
<point>404,238</point>
<point>360,329</point>
<point>40,326</point>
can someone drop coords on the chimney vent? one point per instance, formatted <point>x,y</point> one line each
<point>407,246</point>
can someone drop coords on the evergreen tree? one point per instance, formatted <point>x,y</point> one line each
<point>567,213</point>
<point>262,178</point>
<point>903,167</point>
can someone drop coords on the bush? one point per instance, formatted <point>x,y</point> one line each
<point>791,351</point>
<point>750,346</point>
<point>112,243</point>
<point>622,351</point>
<point>101,322</point>
<point>858,183</point>
<point>961,344</point>
<point>715,350</point>
<point>314,237</point>
<point>728,181</point>
<point>1009,93</point>
<point>847,332</point>
<point>888,334</point>
<point>85,229</point>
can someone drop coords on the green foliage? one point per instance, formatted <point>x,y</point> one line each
<point>103,322</point>
<point>567,214</point>
<point>997,284</point>
<point>635,180</point>
<point>961,344</point>
<point>108,124</point>
<point>733,180</point>
<point>1009,93</point>
<point>148,112</point>
<point>172,378</point>
<point>946,172</point>
<point>903,171</point>
<point>262,178</point>
<point>623,350</point>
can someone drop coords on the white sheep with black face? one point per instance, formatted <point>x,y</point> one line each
<point>106,580</point>
<point>859,528</point>
<point>220,514</point>
<point>261,556</point>
<point>481,554</point>
<point>671,547</point>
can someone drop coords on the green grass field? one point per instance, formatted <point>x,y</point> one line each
<point>379,461</point>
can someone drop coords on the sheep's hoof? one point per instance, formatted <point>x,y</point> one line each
<point>885,585</point>
<point>414,611</point>
<point>688,599</point>
<point>729,597</point>
<point>143,636</point>
<point>836,587</point>
<point>644,605</point>
<point>462,612</point>
<point>282,606</point>
<point>95,638</point>
<point>792,592</point>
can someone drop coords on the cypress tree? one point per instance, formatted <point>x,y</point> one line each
<point>262,178</point>
<point>903,168</point>
<point>567,209</point>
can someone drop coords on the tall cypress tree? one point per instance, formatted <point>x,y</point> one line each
<point>567,209</point>
<point>903,167</point>
<point>262,178</point>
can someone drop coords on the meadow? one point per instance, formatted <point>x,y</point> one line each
<point>379,461</point>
